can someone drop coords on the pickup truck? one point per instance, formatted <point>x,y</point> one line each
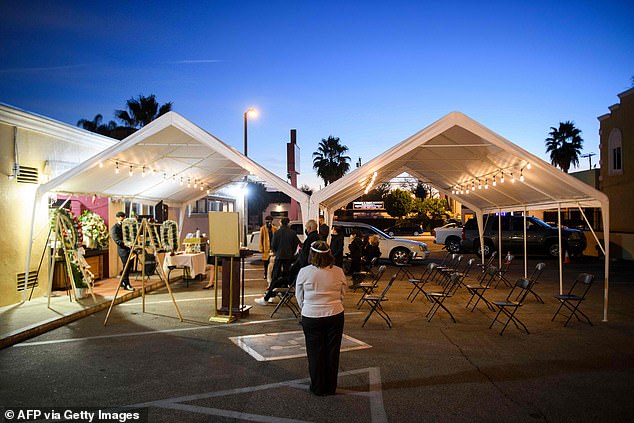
<point>450,235</point>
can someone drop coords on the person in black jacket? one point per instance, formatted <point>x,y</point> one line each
<point>371,250</point>
<point>336,245</point>
<point>324,231</point>
<point>124,252</point>
<point>356,251</point>
<point>311,236</point>
<point>284,245</point>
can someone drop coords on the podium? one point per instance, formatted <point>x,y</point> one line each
<point>234,273</point>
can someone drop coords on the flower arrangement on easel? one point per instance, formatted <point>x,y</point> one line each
<point>94,230</point>
<point>69,232</point>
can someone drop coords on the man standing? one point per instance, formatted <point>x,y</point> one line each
<point>284,245</point>
<point>266,235</point>
<point>324,230</point>
<point>124,252</point>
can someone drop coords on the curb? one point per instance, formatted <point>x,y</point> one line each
<point>37,329</point>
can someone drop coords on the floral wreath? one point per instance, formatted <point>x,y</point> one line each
<point>130,231</point>
<point>169,235</point>
<point>94,227</point>
<point>74,237</point>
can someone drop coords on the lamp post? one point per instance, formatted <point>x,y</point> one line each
<point>253,113</point>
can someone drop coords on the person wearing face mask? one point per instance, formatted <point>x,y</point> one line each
<point>312,235</point>
<point>266,235</point>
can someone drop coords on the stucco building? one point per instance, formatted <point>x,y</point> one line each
<point>617,172</point>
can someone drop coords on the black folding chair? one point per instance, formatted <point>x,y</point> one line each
<point>368,287</point>
<point>534,277</point>
<point>477,290</point>
<point>502,271</point>
<point>361,276</point>
<point>448,264</point>
<point>572,300</point>
<point>438,298</point>
<point>404,266</point>
<point>449,270</point>
<point>285,296</point>
<point>509,307</point>
<point>484,268</point>
<point>421,281</point>
<point>375,304</point>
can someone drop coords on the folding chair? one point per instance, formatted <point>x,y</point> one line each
<point>286,295</point>
<point>508,260</point>
<point>484,268</point>
<point>361,276</point>
<point>368,287</point>
<point>438,298</point>
<point>404,267</point>
<point>534,277</point>
<point>449,270</point>
<point>572,300</point>
<point>375,304</point>
<point>467,269</point>
<point>420,282</point>
<point>477,291</point>
<point>509,307</point>
<point>448,263</point>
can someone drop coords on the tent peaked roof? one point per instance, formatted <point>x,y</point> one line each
<point>456,153</point>
<point>165,157</point>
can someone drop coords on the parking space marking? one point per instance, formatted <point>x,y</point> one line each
<point>285,345</point>
<point>374,394</point>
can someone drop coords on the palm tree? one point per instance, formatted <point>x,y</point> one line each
<point>141,111</point>
<point>564,145</point>
<point>329,161</point>
<point>97,125</point>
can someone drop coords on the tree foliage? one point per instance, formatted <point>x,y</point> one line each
<point>329,160</point>
<point>398,203</point>
<point>420,190</point>
<point>564,145</point>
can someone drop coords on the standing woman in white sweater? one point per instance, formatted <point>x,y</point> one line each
<point>320,289</point>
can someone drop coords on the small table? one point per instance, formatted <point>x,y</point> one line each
<point>194,264</point>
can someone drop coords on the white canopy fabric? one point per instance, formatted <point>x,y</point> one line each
<point>167,151</point>
<point>458,154</point>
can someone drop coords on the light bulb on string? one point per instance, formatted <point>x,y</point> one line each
<point>181,182</point>
<point>143,172</point>
<point>473,186</point>
<point>189,183</point>
<point>494,182</point>
<point>201,187</point>
<point>116,169</point>
<point>486,184</point>
<point>479,184</point>
<point>521,175</point>
<point>502,178</point>
<point>512,179</point>
<point>130,173</point>
<point>195,183</point>
<point>100,164</point>
<point>528,166</point>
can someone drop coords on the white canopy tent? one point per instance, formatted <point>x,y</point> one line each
<point>164,157</point>
<point>460,157</point>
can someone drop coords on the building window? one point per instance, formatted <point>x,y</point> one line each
<point>615,153</point>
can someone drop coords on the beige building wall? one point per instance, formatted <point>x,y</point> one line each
<point>51,147</point>
<point>618,184</point>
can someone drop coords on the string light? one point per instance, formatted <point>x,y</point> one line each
<point>502,178</point>
<point>494,182</point>
<point>521,175</point>
<point>143,172</point>
<point>130,173</point>
<point>101,164</point>
<point>201,187</point>
<point>479,184</point>
<point>195,183</point>
<point>116,169</point>
<point>486,184</point>
<point>181,183</point>
<point>528,166</point>
<point>189,183</point>
<point>512,179</point>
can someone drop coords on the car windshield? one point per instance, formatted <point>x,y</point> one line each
<point>541,222</point>
<point>381,233</point>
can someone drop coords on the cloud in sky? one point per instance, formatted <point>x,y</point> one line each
<point>193,62</point>
<point>42,69</point>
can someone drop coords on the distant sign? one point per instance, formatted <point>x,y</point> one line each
<point>367,205</point>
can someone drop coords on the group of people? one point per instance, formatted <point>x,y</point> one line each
<point>320,285</point>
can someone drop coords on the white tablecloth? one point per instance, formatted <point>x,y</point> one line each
<point>196,263</point>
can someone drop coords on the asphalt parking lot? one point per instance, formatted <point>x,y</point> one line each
<point>254,369</point>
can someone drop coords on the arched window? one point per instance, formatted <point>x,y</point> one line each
<point>615,152</point>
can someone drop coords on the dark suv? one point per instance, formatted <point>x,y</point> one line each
<point>541,238</point>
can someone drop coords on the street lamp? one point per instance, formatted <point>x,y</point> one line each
<point>249,112</point>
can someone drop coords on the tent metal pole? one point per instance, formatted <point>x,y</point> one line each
<point>525,249</point>
<point>561,270</point>
<point>30,249</point>
<point>500,238</point>
<point>605,213</point>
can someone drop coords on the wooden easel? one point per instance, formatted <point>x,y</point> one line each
<point>139,242</point>
<point>61,228</point>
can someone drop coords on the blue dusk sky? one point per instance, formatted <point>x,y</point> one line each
<point>371,73</point>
